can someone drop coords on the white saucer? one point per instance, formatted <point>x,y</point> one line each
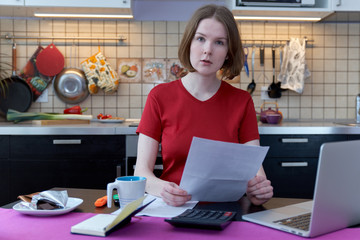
<point>72,203</point>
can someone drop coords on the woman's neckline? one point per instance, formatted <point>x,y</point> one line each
<point>201,97</point>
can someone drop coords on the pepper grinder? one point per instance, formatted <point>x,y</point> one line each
<point>357,108</point>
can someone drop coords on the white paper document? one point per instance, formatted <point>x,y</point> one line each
<point>217,171</point>
<point>159,208</point>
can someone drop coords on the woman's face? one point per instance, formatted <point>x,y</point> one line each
<point>209,47</point>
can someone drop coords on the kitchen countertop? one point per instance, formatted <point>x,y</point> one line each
<point>93,128</point>
<point>128,128</point>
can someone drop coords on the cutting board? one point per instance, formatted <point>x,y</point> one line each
<point>60,122</point>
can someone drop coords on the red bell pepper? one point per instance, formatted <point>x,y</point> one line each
<point>74,110</point>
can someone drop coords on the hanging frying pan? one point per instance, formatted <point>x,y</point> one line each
<point>17,94</point>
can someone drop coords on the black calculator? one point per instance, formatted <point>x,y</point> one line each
<point>201,218</point>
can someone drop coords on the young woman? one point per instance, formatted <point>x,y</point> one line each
<point>200,105</point>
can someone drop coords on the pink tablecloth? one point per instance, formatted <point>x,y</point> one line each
<point>15,226</point>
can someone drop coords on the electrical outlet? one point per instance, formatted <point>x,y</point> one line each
<point>264,93</point>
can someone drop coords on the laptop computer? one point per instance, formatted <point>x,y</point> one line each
<point>335,204</point>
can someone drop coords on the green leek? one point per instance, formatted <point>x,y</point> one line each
<point>13,115</point>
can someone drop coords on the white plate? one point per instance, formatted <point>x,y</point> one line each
<point>72,203</point>
<point>111,120</point>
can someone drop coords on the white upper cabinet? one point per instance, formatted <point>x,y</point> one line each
<point>345,5</point>
<point>27,8</point>
<point>321,9</point>
<point>12,2</point>
<point>79,3</point>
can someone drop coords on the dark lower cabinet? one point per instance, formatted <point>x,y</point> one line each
<point>4,170</point>
<point>292,178</point>
<point>354,137</point>
<point>38,163</point>
<point>291,162</point>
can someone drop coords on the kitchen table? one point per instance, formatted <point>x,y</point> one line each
<point>18,226</point>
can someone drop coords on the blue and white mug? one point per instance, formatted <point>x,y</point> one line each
<point>129,188</point>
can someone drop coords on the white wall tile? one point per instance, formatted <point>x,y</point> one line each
<point>148,39</point>
<point>123,101</point>
<point>160,39</point>
<point>135,27</point>
<point>147,27</point>
<point>172,27</point>
<point>333,59</point>
<point>341,29</point>
<point>317,113</point>
<point>148,52</point>
<point>160,52</point>
<point>110,102</point>
<point>160,27</point>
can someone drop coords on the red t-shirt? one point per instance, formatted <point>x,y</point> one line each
<point>172,116</point>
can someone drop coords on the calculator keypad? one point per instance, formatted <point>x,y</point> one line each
<point>198,218</point>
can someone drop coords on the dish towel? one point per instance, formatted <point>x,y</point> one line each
<point>294,71</point>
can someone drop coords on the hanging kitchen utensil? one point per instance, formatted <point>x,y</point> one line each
<point>274,90</point>
<point>281,57</point>
<point>50,61</point>
<point>251,87</point>
<point>37,81</point>
<point>16,94</point>
<point>246,66</point>
<point>70,85</point>
<point>262,63</point>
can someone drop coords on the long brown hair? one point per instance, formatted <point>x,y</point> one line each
<point>235,56</point>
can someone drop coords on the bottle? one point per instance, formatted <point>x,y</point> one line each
<point>357,114</point>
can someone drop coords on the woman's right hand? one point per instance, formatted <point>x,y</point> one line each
<point>173,195</point>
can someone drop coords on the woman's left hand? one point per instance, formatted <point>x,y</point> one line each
<point>259,190</point>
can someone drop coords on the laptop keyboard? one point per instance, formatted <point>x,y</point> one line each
<point>301,222</point>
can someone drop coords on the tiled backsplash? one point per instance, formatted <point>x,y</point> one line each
<point>332,55</point>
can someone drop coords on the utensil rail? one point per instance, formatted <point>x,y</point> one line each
<point>268,42</point>
<point>13,37</point>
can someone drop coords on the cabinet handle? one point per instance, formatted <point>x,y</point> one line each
<point>159,167</point>
<point>338,3</point>
<point>156,167</point>
<point>67,141</point>
<point>294,164</point>
<point>294,140</point>
<point>118,171</point>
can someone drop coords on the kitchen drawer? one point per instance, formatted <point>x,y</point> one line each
<point>67,147</point>
<point>353,137</point>
<point>292,178</point>
<point>297,145</point>
<point>4,146</point>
